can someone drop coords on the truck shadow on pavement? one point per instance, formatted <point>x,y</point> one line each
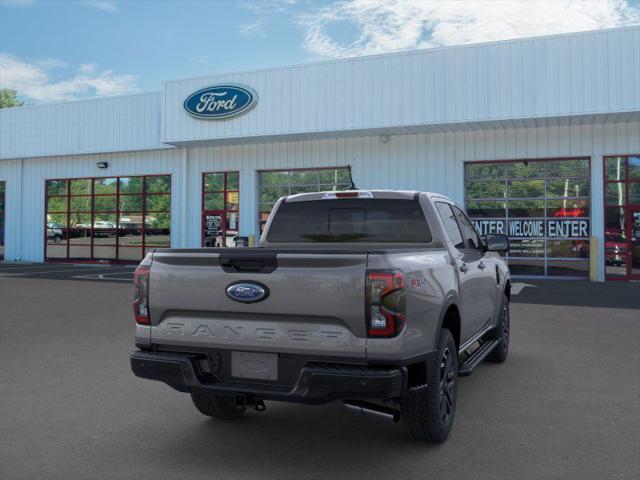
<point>578,293</point>
<point>299,441</point>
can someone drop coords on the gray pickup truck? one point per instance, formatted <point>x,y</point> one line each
<point>378,299</point>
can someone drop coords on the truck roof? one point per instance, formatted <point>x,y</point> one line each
<point>363,193</point>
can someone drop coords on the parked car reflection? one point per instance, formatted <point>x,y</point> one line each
<point>103,228</point>
<point>615,248</point>
<point>55,233</point>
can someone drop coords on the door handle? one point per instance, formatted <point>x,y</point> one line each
<point>463,268</point>
<point>482,266</point>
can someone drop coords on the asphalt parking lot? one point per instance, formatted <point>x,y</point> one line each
<point>565,405</point>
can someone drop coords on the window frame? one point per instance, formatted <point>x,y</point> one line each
<point>289,185</point>
<point>546,177</point>
<point>627,206</point>
<point>3,216</point>
<point>225,207</point>
<point>91,213</point>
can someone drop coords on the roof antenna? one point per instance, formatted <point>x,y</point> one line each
<point>353,185</point>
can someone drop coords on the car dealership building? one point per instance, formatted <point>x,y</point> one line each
<point>538,138</point>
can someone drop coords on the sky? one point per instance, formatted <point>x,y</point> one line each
<point>59,50</point>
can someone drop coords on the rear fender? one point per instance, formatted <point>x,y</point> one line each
<point>450,299</point>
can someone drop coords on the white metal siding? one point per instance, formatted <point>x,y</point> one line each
<point>547,77</point>
<point>574,78</point>
<point>432,162</point>
<point>11,174</point>
<point>25,200</point>
<point>91,126</point>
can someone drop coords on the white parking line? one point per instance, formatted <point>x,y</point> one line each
<point>101,276</point>
<point>108,274</point>
<point>517,287</point>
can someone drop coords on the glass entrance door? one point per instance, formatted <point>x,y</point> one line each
<point>220,209</point>
<point>622,217</point>
<point>2,188</point>
<point>634,243</point>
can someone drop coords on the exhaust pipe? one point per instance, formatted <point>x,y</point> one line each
<point>373,410</point>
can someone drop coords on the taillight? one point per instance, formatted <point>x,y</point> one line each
<point>141,298</point>
<point>385,306</point>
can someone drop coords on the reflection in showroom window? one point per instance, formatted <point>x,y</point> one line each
<point>2,210</point>
<point>274,184</point>
<point>107,219</point>
<point>543,205</point>
<point>622,217</point>
<point>221,209</point>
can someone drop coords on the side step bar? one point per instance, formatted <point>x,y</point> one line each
<point>465,369</point>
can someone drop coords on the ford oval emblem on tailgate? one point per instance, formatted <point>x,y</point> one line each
<point>247,291</point>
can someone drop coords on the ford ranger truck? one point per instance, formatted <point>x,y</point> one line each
<point>377,299</point>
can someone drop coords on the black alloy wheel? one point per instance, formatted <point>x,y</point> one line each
<point>448,379</point>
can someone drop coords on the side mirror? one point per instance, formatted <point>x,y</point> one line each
<point>497,243</point>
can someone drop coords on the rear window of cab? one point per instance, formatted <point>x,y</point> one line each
<point>350,220</point>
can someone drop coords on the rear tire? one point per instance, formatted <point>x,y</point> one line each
<point>217,406</point>
<point>429,412</point>
<point>500,352</point>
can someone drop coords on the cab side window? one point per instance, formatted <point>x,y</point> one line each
<point>450,225</point>
<point>469,236</point>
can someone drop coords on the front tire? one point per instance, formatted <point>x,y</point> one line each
<point>429,411</point>
<point>500,352</point>
<point>217,406</point>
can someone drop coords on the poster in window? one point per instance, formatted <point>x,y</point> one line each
<point>213,230</point>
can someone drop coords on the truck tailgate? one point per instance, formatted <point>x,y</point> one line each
<point>315,303</point>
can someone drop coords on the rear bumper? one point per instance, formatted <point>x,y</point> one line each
<point>316,384</point>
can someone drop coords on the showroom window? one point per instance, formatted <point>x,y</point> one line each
<point>543,206</point>
<point>107,219</point>
<point>622,217</point>
<point>220,209</point>
<point>2,210</point>
<point>274,184</point>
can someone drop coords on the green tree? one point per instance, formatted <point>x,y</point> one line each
<point>8,98</point>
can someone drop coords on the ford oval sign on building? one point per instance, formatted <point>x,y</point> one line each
<point>219,102</point>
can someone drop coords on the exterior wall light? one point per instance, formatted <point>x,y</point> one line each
<point>102,164</point>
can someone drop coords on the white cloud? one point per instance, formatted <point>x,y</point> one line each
<point>264,10</point>
<point>51,63</point>
<point>388,25</point>
<point>104,5</point>
<point>252,29</point>
<point>36,81</point>
<point>269,6</point>
<point>87,68</point>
